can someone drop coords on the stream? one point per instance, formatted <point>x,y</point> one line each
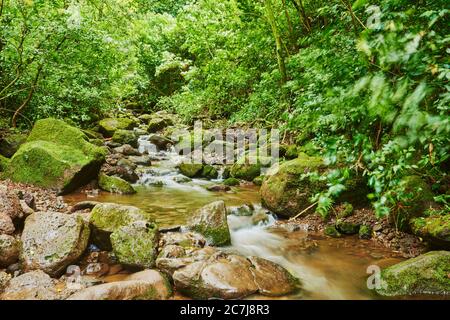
<point>329,268</point>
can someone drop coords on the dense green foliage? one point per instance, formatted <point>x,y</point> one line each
<point>364,83</point>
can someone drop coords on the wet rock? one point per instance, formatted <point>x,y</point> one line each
<point>140,160</point>
<point>84,205</point>
<point>159,122</point>
<point>9,250</point>
<point>182,179</point>
<point>435,229</point>
<point>228,276</point>
<point>182,258</point>
<point>51,241</point>
<point>56,156</point>
<point>231,182</point>
<point>126,173</point>
<point>218,188</point>
<point>426,274</point>
<point>96,269</point>
<point>244,210</point>
<point>161,142</point>
<point>191,170</point>
<point>211,222</point>
<point>114,184</point>
<point>10,143</point>
<point>125,137</point>
<point>109,217</point>
<point>135,245</point>
<point>35,285</point>
<point>272,279</point>
<point>6,224</point>
<point>127,150</point>
<point>259,218</point>
<point>110,125</point>
<point>144,285</point>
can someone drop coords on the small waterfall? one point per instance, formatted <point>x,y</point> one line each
<point>258,240</point>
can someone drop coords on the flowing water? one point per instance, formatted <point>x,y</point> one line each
<point>328,268</point>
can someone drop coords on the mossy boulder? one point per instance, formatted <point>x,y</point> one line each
<point>435,229</point>
<point>158,122</point>
<point>258,180</point>
<point>331,231</point>
<point>425,274</point>
<point>109,217</point>
<point>231,182</point>
<point>211,222</point>
<point>419,196</point>
<point>51,241</point>
<point>284,191</point>
<point>345,210</point>
<point>292,152</point>
<point>109,126</point>
<point>249,167</point>
<point>56,156</point>
<point>190,170</point>
<point>347,227</point>
<point>10,143</point>
<point>365,232</point>
<point>114,184</point>
<point>209,172</point>
<point>135,245</point>
<point>125,137</point>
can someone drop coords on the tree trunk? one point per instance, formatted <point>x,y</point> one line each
<point>278,42</point>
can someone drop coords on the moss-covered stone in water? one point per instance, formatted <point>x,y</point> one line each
<point>191,170</point>
<point>125,137</point>
<point>425,274</point>
<point>158,123</point>
<point>114,184</point>
<point>135,245</point>
<point>211,222</point>
<point>332,232</point>
<point>110,125</point>
<point>10,143</point>
<point>209,172</point>
<point>109,217</point>
<point>284,191</point>
<point>435,229</point>
<point>346,227</point>
<point>231,182</point>
<point>365,232</point>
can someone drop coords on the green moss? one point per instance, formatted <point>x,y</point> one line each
<point>4,162</point>
<point>426,274</point>
<point>331,231</point>
<point>158,123</point>
<point>291,152</point>
<point>347,210</point>
<point>109,217</point>
<point>248,167</point>
<point>110,125</point>
<point>346,227</point>
<point>135,245</point>
<point>115,184</point>
<point>191,170</point>
<point>209,172</point>
<point>59,132</point>
<point>125,137</point>
<point>435,229</point>
<point>50,165</point>
<point>258,180</point>
<point>231,182</point>
<point>365,232</point>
